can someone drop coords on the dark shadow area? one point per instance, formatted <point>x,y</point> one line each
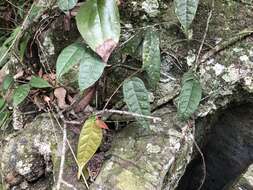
<point>228,151</point>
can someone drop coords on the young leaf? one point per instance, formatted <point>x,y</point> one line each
<point>136,98</point>
<point>190,96</point>
<point>38,82</point>
<point>151,56</point>
<point>89,141</point>
<point>91,69</point>
<point>20,93</point>
<point>66,5</point>
<point>100,123</point>
<point>69,57</point>
<point>7,82</point>
<point>99,24</point>
<point>185,11</point>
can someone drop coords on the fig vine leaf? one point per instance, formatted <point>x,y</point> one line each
<point>89,140</point>
<point>151,56</point>
<point>99,24</point>
<point>69,57</point>
<point>91,69</point>
<point>185,11</point>
<point>136,98</point>
<point>190,95</point>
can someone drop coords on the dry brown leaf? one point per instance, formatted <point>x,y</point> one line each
<point>60,94</point>
<point>19,74</point>
<point>89,94</point>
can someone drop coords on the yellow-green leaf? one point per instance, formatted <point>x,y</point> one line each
<point>89,141</point>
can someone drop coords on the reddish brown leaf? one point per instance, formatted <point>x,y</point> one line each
<point>100,123</point>
<point>60,94</point>
<point>89,94</point>
<point>105,50</point>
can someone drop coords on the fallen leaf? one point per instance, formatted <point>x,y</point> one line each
<point>46,99</point>
<point>89,94</point>
<point>19,74</point>
<point>60,94</point>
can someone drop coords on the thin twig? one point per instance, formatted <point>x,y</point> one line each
<point>221,46</point>
<point>202,157</point>
<point>155,119</point>
<point>203,162</point>
<point>204,36</point>
<point>63,153</point>
<point>68,185</point>
<point>68,143</point>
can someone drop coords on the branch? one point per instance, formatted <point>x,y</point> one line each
<point>155,119</point>
<point>63,152</point>
<point>241,35</point>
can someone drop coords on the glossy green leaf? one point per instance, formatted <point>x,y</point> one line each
<point>89,140</point>
<point>136,98</point>
<point>151,56</point>
<point>185,11</point>
<point>190,96</point>
<point>38,82</point>
<point>66,5</point>
<point>99,24</point>
<point>91,69</point>
<point>7,82</point>
<point>20,93</point>
<point>68,58</point>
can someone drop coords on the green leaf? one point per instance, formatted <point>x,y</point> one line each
<point>136,98</point>
<point>2,103</point>
<point>7,82</point>
<point>3,55</point>
<point>185,11</point>
<point>190,96</point>
<point>151,56</point>
<point>4,49</point>
<point>99,24</point>
<point>89,140</point>
<point>38,82</point>
<point>68,58</point>
<point>23,45</point>
<point>20,93</point>
<point>66,5</point>
<point>4,116</point>
<point>91,69</point>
